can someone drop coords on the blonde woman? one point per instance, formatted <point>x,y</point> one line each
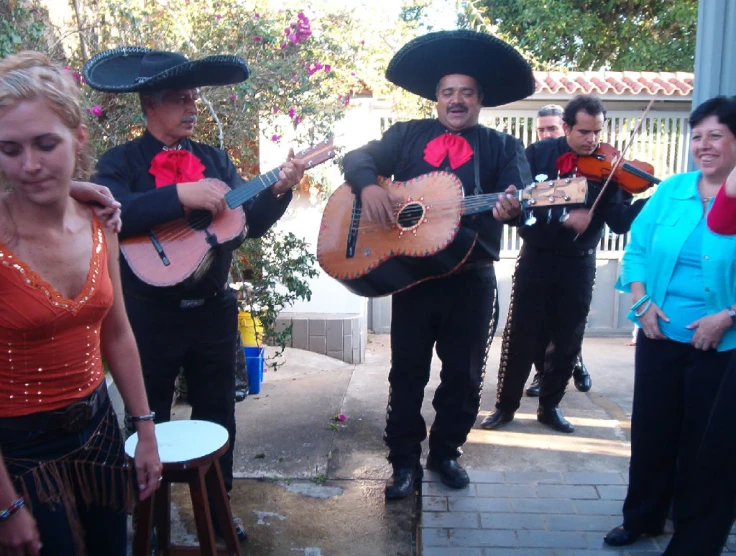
<point>64,482</point>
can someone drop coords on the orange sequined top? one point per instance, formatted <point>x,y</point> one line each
<point>50,346</point>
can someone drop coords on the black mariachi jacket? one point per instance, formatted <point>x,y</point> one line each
<point>615,208</point>
<point>400,154</point>
<point>124,169</point>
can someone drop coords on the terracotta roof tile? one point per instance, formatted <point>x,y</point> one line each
<point>615,82</point>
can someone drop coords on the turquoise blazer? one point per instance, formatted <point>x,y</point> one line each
<point>657,236</point>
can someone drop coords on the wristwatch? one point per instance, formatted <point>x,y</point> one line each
<point>731,313</point>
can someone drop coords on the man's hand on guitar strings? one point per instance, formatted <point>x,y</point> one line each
<point>207,194</point>
<point>507,206</point>
<point>378,204</point>
<point>291,172</point>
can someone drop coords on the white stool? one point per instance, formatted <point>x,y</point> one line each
<point>189,451</point>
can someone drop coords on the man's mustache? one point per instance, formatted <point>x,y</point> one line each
<point>452,107</point>
<point>189,120</point>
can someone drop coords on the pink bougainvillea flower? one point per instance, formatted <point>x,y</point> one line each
<point>292,113</point>
<point>275,109</point>
<point>340,417</point>
<point>257,38</point>
<point>233,96</point>
<point>297,121</point>
<point>275,137</point>
<point>257,16</point>
<point>95,111</point>
<point>284,45</point>
<point>328,68</point>
<point>218,17</point>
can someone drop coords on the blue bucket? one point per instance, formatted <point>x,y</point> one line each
<point>254,367</point>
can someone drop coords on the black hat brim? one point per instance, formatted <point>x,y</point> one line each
<point>503,73</point>
<point>117,70</point>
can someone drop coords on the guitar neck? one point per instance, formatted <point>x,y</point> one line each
<point>482,203</point>
<point>250,189</point>
<point>311,157</point>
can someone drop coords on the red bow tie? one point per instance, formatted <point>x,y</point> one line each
<point>455,147</point>
<point>176,167</point>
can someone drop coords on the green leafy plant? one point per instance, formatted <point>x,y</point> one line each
<point>271,273</point>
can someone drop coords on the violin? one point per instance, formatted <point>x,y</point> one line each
<point>633,176</point>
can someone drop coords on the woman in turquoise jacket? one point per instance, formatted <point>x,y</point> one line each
<point>682,278</point>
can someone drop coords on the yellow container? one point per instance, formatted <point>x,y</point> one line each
<point>251,329</point>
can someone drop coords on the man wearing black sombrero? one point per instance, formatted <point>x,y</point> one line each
<point>158,178</point>
<point>463,71</point>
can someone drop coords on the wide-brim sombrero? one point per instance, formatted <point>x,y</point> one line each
<point>136,69</point>
<point>499,69</point>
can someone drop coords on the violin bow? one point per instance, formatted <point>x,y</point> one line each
<point>615,165</point>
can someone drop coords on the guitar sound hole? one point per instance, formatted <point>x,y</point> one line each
<point>410,215</point>
<point>199,219</point>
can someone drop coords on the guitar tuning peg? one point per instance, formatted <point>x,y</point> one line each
<point>549,215</point>
<point>531,220</point>
<point>563,216</point>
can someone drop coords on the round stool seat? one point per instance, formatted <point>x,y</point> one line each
<point>184,441</point>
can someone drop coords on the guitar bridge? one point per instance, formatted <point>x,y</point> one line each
<point>353,232</point>
<point>159,248</point>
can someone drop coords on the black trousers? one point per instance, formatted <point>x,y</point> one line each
<point>457,315</point>
<point>550,300</point>
<point>675,386</point>
<point>704,529</point>
<point>202,342</point>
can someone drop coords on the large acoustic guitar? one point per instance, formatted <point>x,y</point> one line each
<point>171,253</point>
<point>426,241</point>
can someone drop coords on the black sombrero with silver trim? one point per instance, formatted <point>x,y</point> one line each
<point>498,68</point>
<point>135,69</point>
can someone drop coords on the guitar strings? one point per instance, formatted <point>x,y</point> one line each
<point>465,205</point>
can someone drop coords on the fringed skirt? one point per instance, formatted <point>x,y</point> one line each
<point>75,472</point>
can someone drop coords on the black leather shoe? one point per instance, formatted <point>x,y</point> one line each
<point>533,390</point>
<point>497,419</point>
<point>553,418</point>
<point>451,472</point>
<point>618,536</point>
<point>581,378</point>
<point>401,484</point>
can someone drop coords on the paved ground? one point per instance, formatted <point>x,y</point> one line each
<point>307,484</point>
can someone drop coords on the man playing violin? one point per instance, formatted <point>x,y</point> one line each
<point>553,282</point>
<point>550,126</point>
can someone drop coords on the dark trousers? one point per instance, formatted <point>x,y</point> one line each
<point>550,300</point>
<point>457,315</point>
<point>543,359</point>
<point>202,342</point>
<point>104,530</point>
<point>675,386</point>
<point>704,529</point>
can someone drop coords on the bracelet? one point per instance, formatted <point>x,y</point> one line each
<point>140,418</point>
<point>638,314</point>
<point>12,509</point>
<point>643,299</point>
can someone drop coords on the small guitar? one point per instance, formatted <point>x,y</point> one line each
<point>173,252</point>
<point>426,241</point>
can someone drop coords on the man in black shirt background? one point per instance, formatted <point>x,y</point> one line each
<point>553,282</point>
<point>550,126</point>
<point>455,314</point>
